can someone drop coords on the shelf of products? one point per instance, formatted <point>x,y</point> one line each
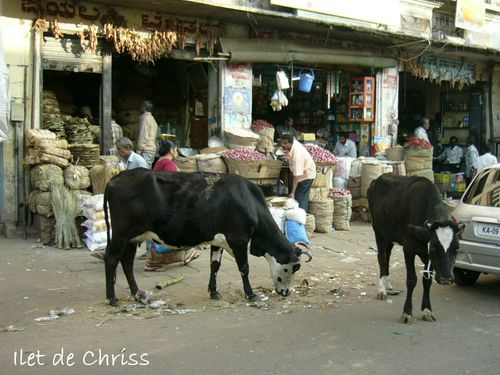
<point>455,114</point>
<point>362,99</point>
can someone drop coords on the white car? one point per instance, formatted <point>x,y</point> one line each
<point>479,210</point>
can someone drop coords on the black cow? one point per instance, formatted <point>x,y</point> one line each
<point>409,211</point>
<point>184,210</point>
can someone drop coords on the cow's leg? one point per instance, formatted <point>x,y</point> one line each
<point>215,261</point>
<point>411,282</point>
<point>113,255</point>
<point>128,267</point>
<point>426,301</point>
<point>241,257</point>
<point>384,250</point>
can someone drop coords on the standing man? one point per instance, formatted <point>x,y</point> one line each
<point>452,156</point>
<point>486,159</point>
<point>345,147</point>
<point>287,128</point>
<point>148,129</point>
<point>471,157</point>
<point>303,169</point>
<point>421,130</point>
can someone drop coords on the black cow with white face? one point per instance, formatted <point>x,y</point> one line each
<point>183,210</point>
<point>409,211</point>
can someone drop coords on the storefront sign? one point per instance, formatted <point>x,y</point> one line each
<point>77,11</point>
<point>448,70</point>
<point>385,12</point>
<point>470,15</point>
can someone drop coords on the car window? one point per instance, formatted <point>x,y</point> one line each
<point>486,190</point>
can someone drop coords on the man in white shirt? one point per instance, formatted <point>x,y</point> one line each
<point>421,130</point>
<point>345,147</point>
<point>486,159</point>
<point>452,156</point>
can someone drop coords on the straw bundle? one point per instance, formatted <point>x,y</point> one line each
<point>78,130</point>
<point>100,176</point>
<point>41,203</point>
<point>66,208</point>
<point>44,177</point>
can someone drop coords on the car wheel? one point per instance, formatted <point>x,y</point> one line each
<point>465,277</point>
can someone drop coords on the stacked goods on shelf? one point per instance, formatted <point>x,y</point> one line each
<point>66,208</point>
<point>342,210</point>
<point>52,115</point>
<point>323,212</point>
<point>44,148</point>
<point>78,130</point>
<point>237,138</point>
<point>266,133</point>
<point>253,166</point>
<point>418,158</point>
<point>85,154</point>
<point>96,234</point>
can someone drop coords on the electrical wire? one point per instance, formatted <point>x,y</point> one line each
<point>420,54</point>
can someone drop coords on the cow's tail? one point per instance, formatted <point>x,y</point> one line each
<point>106,215</point>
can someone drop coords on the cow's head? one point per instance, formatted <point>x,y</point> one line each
<point>442,244</point>
<point>284,268</point>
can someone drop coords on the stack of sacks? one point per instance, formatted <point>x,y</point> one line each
<point>95,235</point>
<point>44,148</point>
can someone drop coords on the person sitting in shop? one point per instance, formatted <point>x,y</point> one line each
<point>422,128</point>
<point>486,159</point>
<point>168,152</point>
<point>451,156</point>
<point>287,128</point>
<point>148,133</point>
<point>345,147</point>
<point>302,167</point>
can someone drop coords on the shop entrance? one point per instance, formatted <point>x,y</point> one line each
<point>178,90</point>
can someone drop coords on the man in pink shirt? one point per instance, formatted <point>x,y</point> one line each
<point>303,169</point>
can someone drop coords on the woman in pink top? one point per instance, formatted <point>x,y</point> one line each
<point>168,151</point>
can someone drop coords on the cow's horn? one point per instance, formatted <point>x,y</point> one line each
<point>304,251</point>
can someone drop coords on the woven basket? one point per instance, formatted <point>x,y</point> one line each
<point>261,172</point>
<point>170,257</point>
<point>235,140</point>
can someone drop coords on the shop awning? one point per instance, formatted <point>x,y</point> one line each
<point>284,52</point>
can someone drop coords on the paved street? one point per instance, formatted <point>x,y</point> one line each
<point>332,324</point>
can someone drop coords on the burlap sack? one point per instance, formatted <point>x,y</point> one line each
<point>428,173</point>
<point>213,163</point>
<point>310,225</point>
<point>323,213</point>
<point>342,212</point>
<point>417,159</point>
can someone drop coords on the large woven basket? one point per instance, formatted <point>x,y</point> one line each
<point>261,172</point>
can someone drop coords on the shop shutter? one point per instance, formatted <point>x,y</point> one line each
<point>66,54</point>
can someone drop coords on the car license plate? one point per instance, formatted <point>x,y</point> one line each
<point>487,230</point>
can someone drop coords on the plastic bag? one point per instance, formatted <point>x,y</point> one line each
<point>282,80</point>
<point>295,232</point>
<point>297,214</point>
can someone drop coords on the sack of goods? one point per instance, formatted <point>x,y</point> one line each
<point>354,186</point>
<point>323,213</point>
<point>370,172</point>
<point>310,225</point>
<point>342,209</point>
<point>237,138</point>
<point>319,194</point>
<point>266,133</point>
<point>44,177</point>
<point>279,216</point>
<point>211,163</point>
<point>95,235</point>
<point>77,177</point>
<point>187,164</point>
<point>418,158</point>
<point>325,165</point>
<point>295,225</point>
<point>44,148</point>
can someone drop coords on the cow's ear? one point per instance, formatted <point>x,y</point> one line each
<point>459,229</point>
<point>421,234</point>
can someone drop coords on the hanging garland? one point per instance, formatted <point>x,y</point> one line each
<point>142,46</point>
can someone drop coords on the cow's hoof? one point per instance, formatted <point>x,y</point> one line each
<point>406,319</point>
<point>253,298</point>
<point>215,295</point>
<point>428,316</point>
<point>382,296</point>
<point>143,296</point>
<point>115,302</point>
